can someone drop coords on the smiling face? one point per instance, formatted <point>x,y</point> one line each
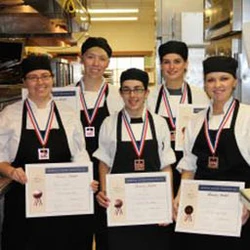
<point>219,86</point>
<point>134,95</point>
<point>95,61</point>
<point>173,67</point>
<point>39,84</point>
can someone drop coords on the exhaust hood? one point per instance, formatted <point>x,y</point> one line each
<point>38,22</point>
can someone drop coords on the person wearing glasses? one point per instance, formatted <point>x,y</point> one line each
<point>38,130</point>
<point>117,154</point>
<point>98,99</point>
<point>217,145</point>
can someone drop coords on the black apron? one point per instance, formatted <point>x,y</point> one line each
<point>20,233</point>
<point>146,237</point>
<point>178,154</point>
<point>232,167</point>
<point>100,221</point>
<point>92,142</point>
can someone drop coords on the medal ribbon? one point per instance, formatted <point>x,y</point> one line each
<point>222,124</point>
<point>43,140</point>
<point>138,148</point>
<point>101,93</point>
<point>168,107</point>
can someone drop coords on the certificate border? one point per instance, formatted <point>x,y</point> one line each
<point>184,185</point>
<point>168,217</point>
<point>29,214</point>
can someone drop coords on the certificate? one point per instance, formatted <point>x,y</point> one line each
<point>67,95</point>
<point>55,189</point>
<point>139,198</point>
<point>184,113</point>
<point>210,207</point>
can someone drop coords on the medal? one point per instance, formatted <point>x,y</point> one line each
<point>89,131</point>
<point>213,160</point>
<point>43,153</point>
<point>139,164</point>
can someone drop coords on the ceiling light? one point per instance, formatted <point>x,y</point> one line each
<point>112,19</point>
<point>103,11</point>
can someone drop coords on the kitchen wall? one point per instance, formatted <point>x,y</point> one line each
<point>141,35</point>
<point>128,36</point>
<point>169,14</point>
<point>159,19</point>
<point>123,36</point>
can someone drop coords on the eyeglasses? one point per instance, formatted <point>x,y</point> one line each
<point>37,78</point>
<point>136,91</point>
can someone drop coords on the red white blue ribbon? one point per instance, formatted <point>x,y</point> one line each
<point>222,124</point>
<point>43,139</point>
<point>168,107</point>
<point>90,118</point>
<point>138,147</point>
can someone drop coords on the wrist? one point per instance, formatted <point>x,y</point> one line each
<point>11,173</point>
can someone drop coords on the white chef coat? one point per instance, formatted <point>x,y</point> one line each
<point>107,139</point>
<point>114,100</point>
<point>242,133</point>
<point>199,97</point>
<point>11,123</point>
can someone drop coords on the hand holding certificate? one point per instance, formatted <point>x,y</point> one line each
<point>245,197</point>
<point>139,198</point>
<point>210,207</point>
<point>55,189</point>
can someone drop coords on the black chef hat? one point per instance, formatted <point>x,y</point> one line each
<point>135,74</point>
<point>175,47</point>
<point>220,64</point>
<point>96,42</point>
<point>34,62</point>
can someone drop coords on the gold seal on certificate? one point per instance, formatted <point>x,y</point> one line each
<point>213,162</point>
<point>43,153</point>
<point>139,165</point>
<point>172,135</point>
<point>90,131</point>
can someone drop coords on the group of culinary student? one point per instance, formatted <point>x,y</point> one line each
<point>129,129</point>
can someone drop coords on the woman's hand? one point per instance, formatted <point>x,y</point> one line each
<point>245,215</point>
<point>102,199</point>
<point>18,174</point>
<point>94,185</point>
<point>175,207</point>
